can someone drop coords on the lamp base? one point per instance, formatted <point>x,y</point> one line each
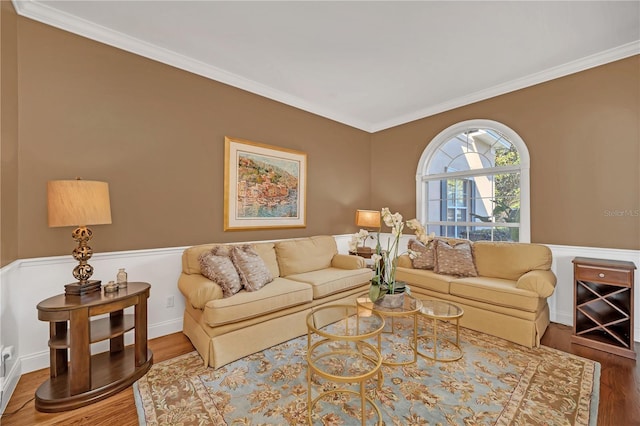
<point>77,289</point>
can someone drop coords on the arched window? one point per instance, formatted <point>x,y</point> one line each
<point>472,182</point>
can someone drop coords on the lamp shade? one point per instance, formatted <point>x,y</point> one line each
<point>78,203</point>
<point>368,218</point>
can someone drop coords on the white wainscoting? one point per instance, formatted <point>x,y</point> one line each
<point>25,282</point>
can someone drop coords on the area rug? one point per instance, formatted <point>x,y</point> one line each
<point>495,383</point>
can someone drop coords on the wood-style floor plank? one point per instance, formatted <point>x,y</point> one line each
<point>619,388</point>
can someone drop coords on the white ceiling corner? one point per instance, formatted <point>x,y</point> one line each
<point>370,65</point>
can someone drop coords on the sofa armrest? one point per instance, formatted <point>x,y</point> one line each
<point>542,282</point>
<point>404,261</point>
<point>198,289</point>
<point>347,261</point>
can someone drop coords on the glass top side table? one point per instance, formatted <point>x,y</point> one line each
<point>410,308</point>
<point>440,310</point>
<point>338,352</point>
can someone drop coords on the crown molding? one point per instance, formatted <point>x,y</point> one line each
<point>48,15</point>
<point>601,58</point>
<point>43,13</point>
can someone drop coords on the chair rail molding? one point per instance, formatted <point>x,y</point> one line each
<point>25,282</point>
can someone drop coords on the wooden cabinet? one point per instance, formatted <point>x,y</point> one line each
<point>78,378</point>
<point>603,305</point>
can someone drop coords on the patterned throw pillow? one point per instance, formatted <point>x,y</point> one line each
<point>454,258</point>
<point>426,255</point>
<point>218,267</point>
<point>254,273</point>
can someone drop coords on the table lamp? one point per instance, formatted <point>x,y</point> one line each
<point>367,219</point>
<point>79,203</point>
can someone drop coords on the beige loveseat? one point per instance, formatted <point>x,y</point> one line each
<point>308,272</point>
<point>507,299</point>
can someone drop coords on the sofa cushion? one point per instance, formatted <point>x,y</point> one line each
<point>252,270</point>
<point>329,281</point>
<point>510,260</point>
<point>267,252</point>
<point>280,294</point>
<point>191,263</point>
<point>495,291</point>
<point>191,258</point>
<point>424,279</point>
<point>454,258</point>
<point>426,255</point>
<point>218,267</point>
<point>305,254</point>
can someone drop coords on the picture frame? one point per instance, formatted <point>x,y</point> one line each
<point>264,186</point>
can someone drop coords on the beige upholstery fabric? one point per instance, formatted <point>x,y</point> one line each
<point>542,282</point>
<point>495,291</point>
<point>218,267</point>
<point>267,252</point>
<point>333,280</point>
<point>510,260</point>
<point>191,264</point>
<point>191,258</point>
<point>279,294</point>
<point>513,308</point>
<point>426,255</point>
<point>252,270</point>
<point>346,261</point>
<point>305,255</point>
<point>423,278</point>
<point>207,291</point>
<point>454,258</point>
<point>225,329</point>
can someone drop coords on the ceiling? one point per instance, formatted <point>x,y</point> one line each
<point>370,65</point>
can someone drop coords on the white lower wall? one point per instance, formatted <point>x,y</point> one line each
<point>24,283</point>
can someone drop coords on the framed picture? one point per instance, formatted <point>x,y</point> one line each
<point>264,186</point>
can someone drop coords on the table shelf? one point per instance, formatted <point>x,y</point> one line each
<point>603,305</point>
<point>101,329</point>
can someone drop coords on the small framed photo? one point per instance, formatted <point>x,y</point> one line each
<point>264,186</point>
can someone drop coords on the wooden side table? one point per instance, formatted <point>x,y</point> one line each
<point>603,305</point>
<point>84,378</point>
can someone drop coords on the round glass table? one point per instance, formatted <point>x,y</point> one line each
<point>440,310</point>
<point>409,308</point>
<point>337,351</point>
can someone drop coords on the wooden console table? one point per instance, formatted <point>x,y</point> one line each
<point>84,378</point>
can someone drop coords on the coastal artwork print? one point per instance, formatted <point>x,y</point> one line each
<point>264,186</point>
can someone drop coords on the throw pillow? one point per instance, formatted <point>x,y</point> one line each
<point>218,267</point>
<point>426,256</point>
<point>254,273</point>
<point>454,258</point>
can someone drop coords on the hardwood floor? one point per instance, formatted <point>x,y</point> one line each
<point>619,388</point>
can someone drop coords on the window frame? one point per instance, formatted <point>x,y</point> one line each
<point>422,177</point>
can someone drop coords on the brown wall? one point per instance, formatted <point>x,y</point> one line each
<point>583,136</point>
<point>156,134</point>
<point>8,134</point>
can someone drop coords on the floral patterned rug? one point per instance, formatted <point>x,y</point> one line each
<point>495,383</point>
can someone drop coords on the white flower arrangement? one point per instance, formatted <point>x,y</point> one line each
<point>386,260</point>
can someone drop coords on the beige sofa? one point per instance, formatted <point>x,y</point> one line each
<point>308,272</point>
<point>507,299</point>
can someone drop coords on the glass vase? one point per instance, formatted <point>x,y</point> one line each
<point>121,278</point>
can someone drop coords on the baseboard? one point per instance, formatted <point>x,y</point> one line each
<point>9,385</point>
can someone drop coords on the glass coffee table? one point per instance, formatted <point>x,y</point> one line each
<point>337,351</point>
<point>440,310</point>
<point>410,308</point>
